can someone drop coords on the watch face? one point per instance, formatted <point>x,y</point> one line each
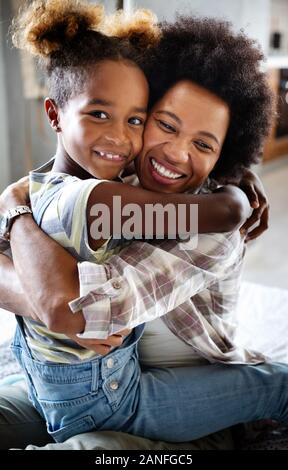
<point>3,227</point>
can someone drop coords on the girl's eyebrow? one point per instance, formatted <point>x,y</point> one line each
<point>140,110</point>
<point>101,102</point>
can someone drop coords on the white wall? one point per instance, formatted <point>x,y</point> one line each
<point>4,150</point>
<point>110,5</point>
<point>253,16</point>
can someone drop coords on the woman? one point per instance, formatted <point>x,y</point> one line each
<point>200,91</point>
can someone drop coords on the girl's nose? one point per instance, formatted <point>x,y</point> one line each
<point>117,135</point>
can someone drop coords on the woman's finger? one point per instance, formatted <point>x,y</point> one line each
<point>251,194</point>
<point>257,231</point>
<point>253,219</point>
<point>101,349</point>
<point>125,332</point>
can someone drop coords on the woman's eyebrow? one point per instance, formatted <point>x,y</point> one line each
<point>177,119</point>
<point>208,134</point>
<point>172,115</point>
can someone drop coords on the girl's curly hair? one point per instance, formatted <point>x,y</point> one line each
<point>69,36</point>
<point>207,52</point>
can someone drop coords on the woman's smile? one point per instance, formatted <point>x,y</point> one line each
<point>164,173</point>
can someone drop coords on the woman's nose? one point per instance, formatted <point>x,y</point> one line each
<point>177,153</point>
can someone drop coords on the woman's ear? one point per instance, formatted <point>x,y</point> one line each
<point>52,112</point>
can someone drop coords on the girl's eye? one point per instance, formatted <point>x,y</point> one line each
<point>99,115</point>
<point>165,126</point>
<point>135,121</point>
<point>203,146</point>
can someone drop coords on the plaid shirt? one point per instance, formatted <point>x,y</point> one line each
<point>195,291</point>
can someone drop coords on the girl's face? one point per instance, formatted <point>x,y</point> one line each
<point>183,137</point>
<point>102,128</point>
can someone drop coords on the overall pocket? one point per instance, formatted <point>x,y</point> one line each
<point>78,426</point>
<point>61,384</point>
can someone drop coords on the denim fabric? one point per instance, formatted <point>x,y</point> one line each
<point>179,404</point>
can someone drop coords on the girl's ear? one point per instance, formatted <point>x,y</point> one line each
<point>52,112</point>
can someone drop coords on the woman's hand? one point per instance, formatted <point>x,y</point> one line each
<point>102,346</point>
<point>252,186</point>
<point>17,194</point>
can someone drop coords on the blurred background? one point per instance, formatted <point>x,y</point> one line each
<point>27,141</point>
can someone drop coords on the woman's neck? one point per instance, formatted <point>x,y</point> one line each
<point>65,164</point>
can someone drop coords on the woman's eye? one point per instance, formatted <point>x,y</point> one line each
<point>203,146</point>
<point>166,126</point>
<point>99,114</point>
<point>135,121</point>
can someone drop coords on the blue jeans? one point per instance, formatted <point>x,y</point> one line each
<point>176,404</point>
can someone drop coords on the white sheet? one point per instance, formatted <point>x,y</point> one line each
<point>7,326</point>
<point>263,320</point>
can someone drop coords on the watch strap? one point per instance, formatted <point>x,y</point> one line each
<point>18,210</point>
<point>11,215</point>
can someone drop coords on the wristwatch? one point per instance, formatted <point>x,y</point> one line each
<point>8,218</point>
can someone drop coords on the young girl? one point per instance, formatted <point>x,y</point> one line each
<point>57,199</point>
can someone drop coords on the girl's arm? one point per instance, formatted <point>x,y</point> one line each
<point>222,211</point>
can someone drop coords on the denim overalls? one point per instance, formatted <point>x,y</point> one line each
<point>76,398</point>
<point>173,404</point>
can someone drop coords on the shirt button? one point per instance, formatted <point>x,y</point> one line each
<point>116,284</point>
<point>110,363</point>
<point>114,385</point>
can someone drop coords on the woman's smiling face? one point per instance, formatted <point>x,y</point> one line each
<point>183,138</point>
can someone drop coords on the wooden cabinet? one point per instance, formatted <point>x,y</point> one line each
<point>275,146</point>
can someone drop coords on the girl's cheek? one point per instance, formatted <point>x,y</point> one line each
<point>139,145</point>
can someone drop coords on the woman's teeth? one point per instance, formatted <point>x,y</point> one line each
<point>161,170</point>
<point>110,156</point>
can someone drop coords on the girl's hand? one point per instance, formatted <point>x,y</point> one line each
<point>252,186</point>
<point>102,346</point>
<point>17,194</point>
